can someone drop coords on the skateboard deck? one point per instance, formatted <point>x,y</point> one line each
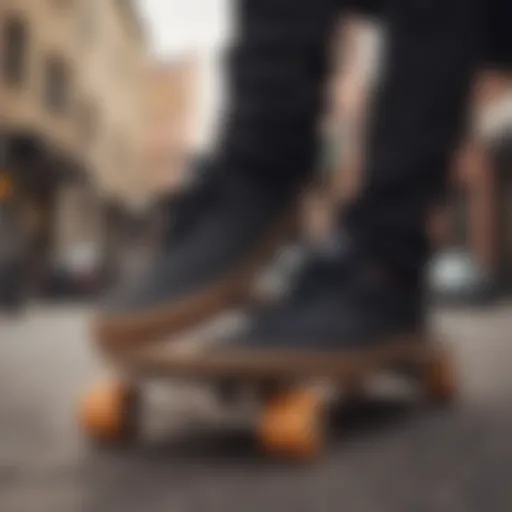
<point>291,421</point>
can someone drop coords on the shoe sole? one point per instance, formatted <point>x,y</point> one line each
<point>114,333</point>
<point>279,365</point>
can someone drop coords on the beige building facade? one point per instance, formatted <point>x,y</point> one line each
<point>71,84</point>
<point>170,105</point>
<point>38,48</point>
<point>110,92</point>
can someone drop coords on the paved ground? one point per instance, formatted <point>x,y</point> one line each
<point>388,456</point>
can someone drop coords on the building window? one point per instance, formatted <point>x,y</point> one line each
<point>56,93</point>
<point>15,56</point>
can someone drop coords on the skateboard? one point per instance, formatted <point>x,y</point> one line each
<point>294,390</point>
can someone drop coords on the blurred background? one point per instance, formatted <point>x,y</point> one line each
<point>105,108</point>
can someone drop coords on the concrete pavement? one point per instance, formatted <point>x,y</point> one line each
<point>387,456</point>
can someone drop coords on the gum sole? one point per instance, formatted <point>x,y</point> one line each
<point>118,333</point>
<point>280,365</point>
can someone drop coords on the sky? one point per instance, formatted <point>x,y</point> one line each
<point>177,26</point>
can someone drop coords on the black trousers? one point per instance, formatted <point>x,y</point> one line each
<point>415,126</point>
<point>495,18</point>
<point>434,48</point>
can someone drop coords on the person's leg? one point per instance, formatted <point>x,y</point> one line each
<point>466,229</point>
<point>367,289</point>
<point>419,112</point>
<point>476,183</point>
<point>497,43</point>
<point>243,205</point>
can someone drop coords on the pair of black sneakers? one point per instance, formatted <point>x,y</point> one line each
<point>227,228</point>
<point>243,209</point>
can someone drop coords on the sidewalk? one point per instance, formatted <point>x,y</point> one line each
<point>384,457</point>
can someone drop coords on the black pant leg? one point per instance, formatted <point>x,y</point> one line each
<point>497,34</point>
<point>417,119</point>
<point>277,69</point>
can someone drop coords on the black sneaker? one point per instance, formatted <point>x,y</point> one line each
<point>235,220</point>
<point>225,230</point>
<point>339,307</point>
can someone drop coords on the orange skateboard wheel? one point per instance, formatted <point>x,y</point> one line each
<point>107,412</point>
<point>291,425</point>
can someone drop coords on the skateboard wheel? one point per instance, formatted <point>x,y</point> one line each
<point>291,425</point>
<point>107,413</point>
<point>440,378</point>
